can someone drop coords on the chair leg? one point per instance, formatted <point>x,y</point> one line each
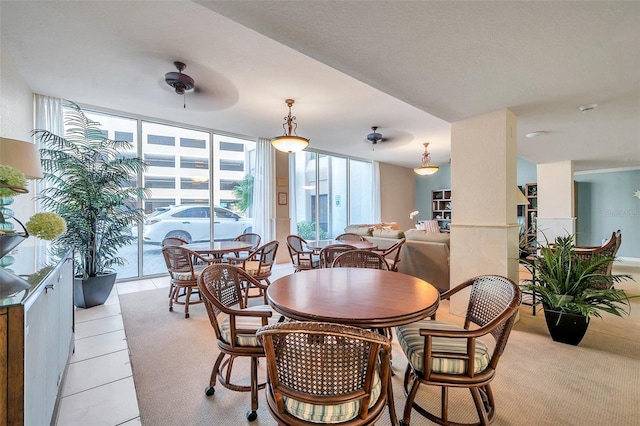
<point>172,296</point>
<point>210,390</point>
<point>444,404</point>
<point>253,414</point>
<point>411,396</point>
<point>477,400</point>
<point>186,301</point>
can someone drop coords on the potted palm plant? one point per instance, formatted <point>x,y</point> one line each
<point>564,282</point>
<point>89,181</point>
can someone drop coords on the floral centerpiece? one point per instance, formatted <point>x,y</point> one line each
<point>43,225</point>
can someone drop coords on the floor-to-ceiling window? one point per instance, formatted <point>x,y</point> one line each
<point>329,192</point>
<point>195,177</point>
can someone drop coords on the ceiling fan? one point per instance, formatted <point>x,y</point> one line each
<point>375,137</point>
<point>179,81</point>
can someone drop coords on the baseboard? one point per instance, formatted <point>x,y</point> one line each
<point>627,261</point>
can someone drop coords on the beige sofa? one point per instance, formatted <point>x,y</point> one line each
<point>424,254</point>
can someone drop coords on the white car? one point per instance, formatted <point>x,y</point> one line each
<point>191,223</point>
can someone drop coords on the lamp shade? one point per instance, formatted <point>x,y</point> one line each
<point>521,199</point>
<point>289,143</point>
<point>22,156</point>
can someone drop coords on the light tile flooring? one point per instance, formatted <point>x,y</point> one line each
<point>99,389</point>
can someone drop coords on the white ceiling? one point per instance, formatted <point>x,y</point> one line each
<point>409,67</point>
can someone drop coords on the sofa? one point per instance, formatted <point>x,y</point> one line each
<point>424,255</point>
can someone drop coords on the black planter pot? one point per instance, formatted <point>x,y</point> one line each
<point>93,291</point>
<point>566,328</point>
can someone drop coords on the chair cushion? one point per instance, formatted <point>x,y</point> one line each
<point>315,261</point>
<point>186,276</point>
<point>251,267</point>
<point>412,344</point>
<point>246,322</point>
<point>330,413</point>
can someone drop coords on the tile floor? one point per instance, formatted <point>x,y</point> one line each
<point>99,389</point>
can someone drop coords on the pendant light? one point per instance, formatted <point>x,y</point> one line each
<point>426,169</point>
<point>289,142</point>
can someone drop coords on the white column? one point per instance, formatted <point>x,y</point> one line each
<point>484,229</point>
<point>556,215</point>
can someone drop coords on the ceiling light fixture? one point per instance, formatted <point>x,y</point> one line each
<point>289,142</point>
<point>426,169</point>
<point>179,81</point>
<point>535,134</point>
<point>585,108</point>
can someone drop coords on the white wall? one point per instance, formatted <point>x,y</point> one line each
<point>16,100</point>
<point>16,120</point>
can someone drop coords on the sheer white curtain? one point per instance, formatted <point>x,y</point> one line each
<point>377,209</point>
<point>49,116</point>
<point>262,204</point>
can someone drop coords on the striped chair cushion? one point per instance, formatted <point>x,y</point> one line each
<point>251,267</point>
<point>412,344</point>
<point>330,413</point>
<point>315,261</point>
<point>246,322</point>
<point>186,276</point>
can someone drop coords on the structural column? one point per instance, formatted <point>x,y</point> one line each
<point>484,229</point>
<point>556,213</point>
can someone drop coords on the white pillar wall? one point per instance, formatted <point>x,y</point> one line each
<point>556,214</point>
<point>484,229</point>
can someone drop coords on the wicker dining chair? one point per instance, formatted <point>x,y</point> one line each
<point>184,273</point>
<point>235,325</point>
<point>446,355</point>
<point>330,252</point>
<point>300,258</point>
<point>239,256</point>
<point>360,259</point>
<point>259,265</point>
<point>320,373</point>
<point>173,241</point>
<point>392,254</point>
<point>349,236</point>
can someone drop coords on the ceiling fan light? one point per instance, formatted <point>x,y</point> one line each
<point>289,142</point>
<point>426,169</point>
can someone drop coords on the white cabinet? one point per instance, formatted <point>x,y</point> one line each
<point>38,343</point>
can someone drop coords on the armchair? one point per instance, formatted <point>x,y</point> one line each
<point>446,355</point>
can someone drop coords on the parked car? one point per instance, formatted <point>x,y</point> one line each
<point>192,223</point>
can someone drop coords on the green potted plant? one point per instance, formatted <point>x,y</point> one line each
<point>564,283</point>
<point>89,187</point>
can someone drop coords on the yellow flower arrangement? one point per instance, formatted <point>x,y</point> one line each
<point>12,182</point>
<point>46,225</point>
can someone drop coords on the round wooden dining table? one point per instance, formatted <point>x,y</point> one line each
<point>317,245</point>
<point>368,298</point>
<point>361,297</point>
<point>218,248</point>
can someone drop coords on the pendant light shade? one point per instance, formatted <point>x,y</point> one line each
<point>426,169</point>
<point>289,142</point>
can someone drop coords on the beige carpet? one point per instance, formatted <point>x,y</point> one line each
<point>538,382</point>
